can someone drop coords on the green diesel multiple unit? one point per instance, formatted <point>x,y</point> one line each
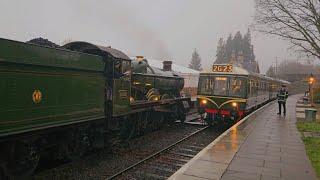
<point>67,100</point>
<point>228,92</point>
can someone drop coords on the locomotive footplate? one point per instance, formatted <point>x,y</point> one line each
<point>148,104</point>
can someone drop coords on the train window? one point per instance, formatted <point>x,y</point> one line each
<point>237,87</point>
<point>126,67</point>
<point>117,73</point>
<point>206,85</point>
<point>253,88</point>
<point>221,86</point>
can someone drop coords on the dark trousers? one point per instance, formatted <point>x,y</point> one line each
<point>284,107</point>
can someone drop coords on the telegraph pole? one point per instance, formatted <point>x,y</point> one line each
<point>276,70</point>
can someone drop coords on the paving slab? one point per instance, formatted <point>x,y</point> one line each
<point>302,115</point>
<point>263,146</point>
<point>299,109</point>
<point>286,157</point>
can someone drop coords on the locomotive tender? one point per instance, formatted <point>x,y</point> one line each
<point>66,101</point>
<point>229,92</point>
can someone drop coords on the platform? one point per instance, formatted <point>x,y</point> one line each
<point>262,146</point>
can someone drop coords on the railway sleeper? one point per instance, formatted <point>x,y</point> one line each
<point>160,168</point>
<point>180,160</point>
<point>189,151</point>
<point>196,148</point>
<point>146,175</point>
<point>182,154</point>
<point>168,164</point>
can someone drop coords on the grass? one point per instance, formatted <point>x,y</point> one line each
<point>308,126</point>
<point>313,150</point>
<point>312,144</point>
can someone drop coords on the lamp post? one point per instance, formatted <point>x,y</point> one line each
<point>311,83</point>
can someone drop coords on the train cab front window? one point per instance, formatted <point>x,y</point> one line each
<point>206,85</point>
<point>221,86</point>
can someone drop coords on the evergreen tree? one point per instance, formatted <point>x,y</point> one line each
<point>195,62</point>
<point>237,49</point>
<point>271,72</point>
<point>247,50</point>
<point>228,49</point>
<point>221,52</point>
<point>237,43</point>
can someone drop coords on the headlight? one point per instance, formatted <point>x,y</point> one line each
<point>204,101</point>
<point>234,104</point>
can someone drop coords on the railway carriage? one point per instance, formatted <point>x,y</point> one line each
<point>228,92</point>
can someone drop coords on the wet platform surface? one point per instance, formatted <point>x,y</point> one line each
<point>263,146</point>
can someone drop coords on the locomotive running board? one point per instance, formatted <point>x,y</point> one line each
<point>149,104</point>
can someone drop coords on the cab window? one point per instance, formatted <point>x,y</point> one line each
<point>117,72</point>
<point>126,67</point>
<point>221,86</point>
<point>206,85</point>
<point>237,87</point>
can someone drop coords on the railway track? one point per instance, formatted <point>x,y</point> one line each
<point>163,163</point>
<point>104,164</point>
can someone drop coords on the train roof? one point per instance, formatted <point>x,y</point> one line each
<point>236,70</point>
<point>42,55</point>
<point>95,49</point>
<point>175,67</point>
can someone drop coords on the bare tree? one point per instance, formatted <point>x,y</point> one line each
<point>295,20</point>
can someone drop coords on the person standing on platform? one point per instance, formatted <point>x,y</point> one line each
<point>282,98</point>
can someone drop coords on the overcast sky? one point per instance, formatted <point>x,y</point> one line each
<point>162,29</point>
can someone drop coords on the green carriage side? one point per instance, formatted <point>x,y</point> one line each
<point>45,87</point>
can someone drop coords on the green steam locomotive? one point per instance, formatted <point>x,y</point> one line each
<point>64,101</point>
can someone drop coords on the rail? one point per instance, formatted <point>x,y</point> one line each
<point>156,154</point>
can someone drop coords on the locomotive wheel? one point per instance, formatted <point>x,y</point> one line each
<point>165,96</point>
<point>208,119</point>
<point>22,161</point>
<point>182,118</point>
<point>2,176</point>
<point>77,145</point>
<point>157,120</point>
<point>127,128</point>
<point>169,118</point>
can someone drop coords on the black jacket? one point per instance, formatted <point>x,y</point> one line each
<point>282,95</point>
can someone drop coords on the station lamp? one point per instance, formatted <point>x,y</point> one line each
<point>311,79</point>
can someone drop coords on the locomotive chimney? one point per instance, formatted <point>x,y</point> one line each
<point>167,65</point>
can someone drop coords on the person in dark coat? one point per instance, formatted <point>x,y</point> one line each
<point>282,99</point>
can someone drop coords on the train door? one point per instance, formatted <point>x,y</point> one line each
<point>121,87</point>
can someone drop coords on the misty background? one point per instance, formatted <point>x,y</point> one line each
<point>163,30</point>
